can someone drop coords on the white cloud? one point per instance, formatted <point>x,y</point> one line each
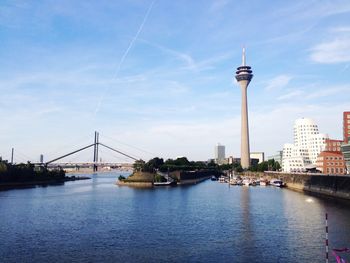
<point>327,92</point>
<point>290,95</point>
<point>189,63</point>
<point>334,51</point>
<point>278,82</point>
<point>341,29</point>
<point>219,5</point>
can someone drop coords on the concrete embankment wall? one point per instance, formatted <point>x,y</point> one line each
<point>193,181</point>
<point>135,184</point>
<point>329,185</point>
<point>192,177</point>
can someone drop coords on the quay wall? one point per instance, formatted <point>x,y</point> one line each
<point>192,177</point>
<point>135,184</point>
<point>327,185</point>
<point>193,181</point>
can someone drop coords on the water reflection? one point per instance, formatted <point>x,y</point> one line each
<point>208,222</point>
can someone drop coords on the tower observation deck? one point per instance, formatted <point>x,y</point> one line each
<point>244,76</point>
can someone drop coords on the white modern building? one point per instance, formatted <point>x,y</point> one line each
<point>258,155</point>
<point>219,154</point>
<point>277,157</point>
<point>308,143</point>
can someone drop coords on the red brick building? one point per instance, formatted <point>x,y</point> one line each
<point>346,126</point>
<point>331,163</point>
<point>333,145</point>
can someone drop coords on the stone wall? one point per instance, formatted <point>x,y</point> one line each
<point>192,177</point>
<point>329,185</point>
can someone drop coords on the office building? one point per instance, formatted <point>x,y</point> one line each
<point>346,126</point>
<point>219,154</point>
<point>308,143</point>
<point>258,155</point>
<point>277,157</point>
<point>331,163</point>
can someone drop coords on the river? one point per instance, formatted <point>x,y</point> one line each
<point>98,221</point>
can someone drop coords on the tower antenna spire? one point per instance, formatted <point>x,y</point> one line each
<point>243,57</point>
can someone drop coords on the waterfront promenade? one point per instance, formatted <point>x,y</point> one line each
<point>98,221</point>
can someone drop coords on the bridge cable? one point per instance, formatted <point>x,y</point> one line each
<point>112,149</point>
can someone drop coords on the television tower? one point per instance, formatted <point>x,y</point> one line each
<point>243,77</point>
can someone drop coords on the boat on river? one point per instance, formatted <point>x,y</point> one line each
<point>213,178</point>
<point>167,183</point>
<point>277,183</point>
<point>169,180</point>
<point>263,182</point>
<point>222,179</point>
<point>246,182</point>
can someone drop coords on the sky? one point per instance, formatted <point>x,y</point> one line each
<point>156,78</point>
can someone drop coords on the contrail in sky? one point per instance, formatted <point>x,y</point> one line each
<point>125,55</point>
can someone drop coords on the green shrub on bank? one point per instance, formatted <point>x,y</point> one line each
<point>10,173</point>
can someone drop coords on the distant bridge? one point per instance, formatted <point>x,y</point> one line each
<point>94,164</point>
<point>76,166</point>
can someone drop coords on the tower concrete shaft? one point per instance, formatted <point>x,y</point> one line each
<point>244,76</point>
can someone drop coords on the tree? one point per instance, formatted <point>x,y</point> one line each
<point>138,165</point>
<point>121,178</point>
<point>277,166</point>
<point>154,163</point>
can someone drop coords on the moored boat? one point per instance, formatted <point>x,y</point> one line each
<point>263,182</point>
<point>277,183</point>
<point>214,178</point>
<point>246,182</point>
<point>164,183</point>
<point>222,179</point>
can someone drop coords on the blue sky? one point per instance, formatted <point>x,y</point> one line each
<point>156,78</point>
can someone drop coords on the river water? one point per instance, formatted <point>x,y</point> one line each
<point>97,221</point>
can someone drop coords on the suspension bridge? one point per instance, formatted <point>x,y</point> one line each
<point>59,162</point>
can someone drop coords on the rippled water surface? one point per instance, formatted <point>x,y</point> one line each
<point>97,221</point>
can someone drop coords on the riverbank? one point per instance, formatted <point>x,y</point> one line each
<point>145,179</point>
<point>20,185</point>
<point>333,186</point>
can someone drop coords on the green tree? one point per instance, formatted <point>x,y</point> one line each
<point>154,164</point>
<point>138,165</point>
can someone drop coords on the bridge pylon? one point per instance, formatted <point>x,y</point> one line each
<point>96,143</point>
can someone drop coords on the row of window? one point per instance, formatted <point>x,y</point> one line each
<point>335,170</point>
<point>336,164</point>
<point>334,149</point>
<point>336,143</point>
<point>334,158</point>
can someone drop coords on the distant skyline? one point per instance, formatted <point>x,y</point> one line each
<point>159,75</point>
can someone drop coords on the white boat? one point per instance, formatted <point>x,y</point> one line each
<point>277,183</point>
<point>233,181</point>
<point>246,182</point>
<point>164,183</point>
<point>169,180</point>
<point>222,179</point>
<point>263,182</point>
